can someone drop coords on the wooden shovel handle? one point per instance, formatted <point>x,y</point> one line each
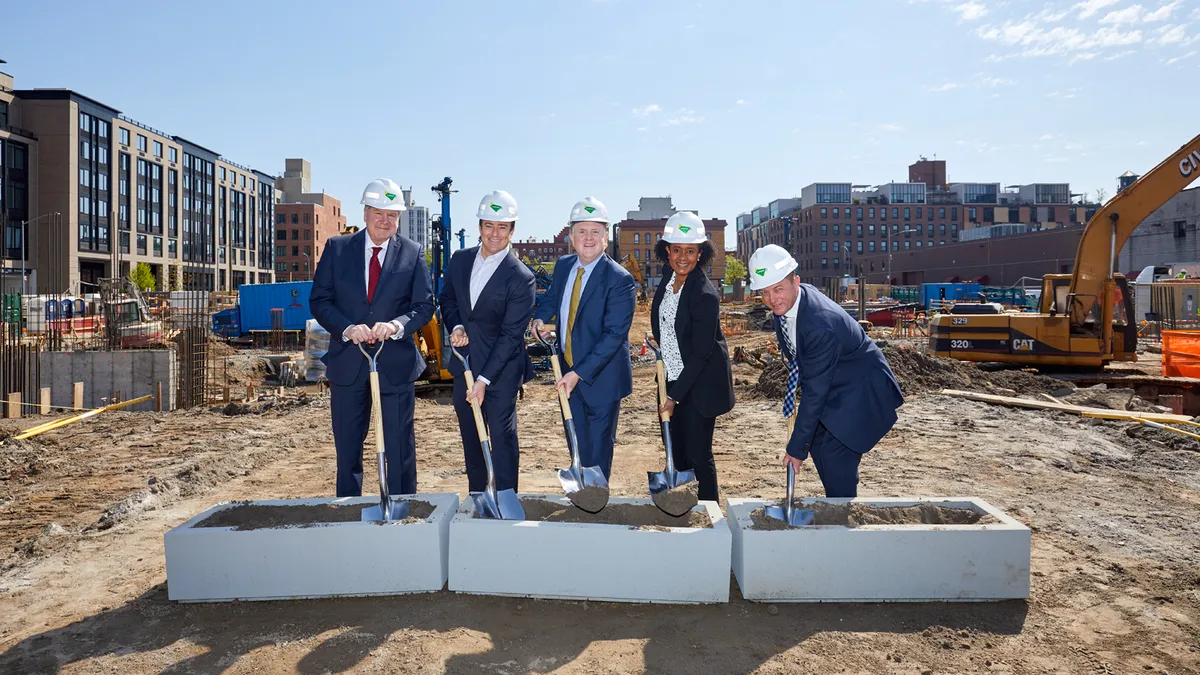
<point>377,411</point>
<point>791,423</point>
<point>662,390</point>
<point>562,395</point>
<point>479,425</point>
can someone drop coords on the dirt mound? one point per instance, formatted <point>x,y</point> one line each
<point>262,405</point>
<point>918,372</point>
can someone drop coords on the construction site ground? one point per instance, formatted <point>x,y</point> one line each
<point>1113,507</point>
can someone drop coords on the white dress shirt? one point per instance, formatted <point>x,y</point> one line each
<point>564,309</point>
<point>481,273</point>
<point>368,253</point>
<point>789,322</point>
<point>668,308</point>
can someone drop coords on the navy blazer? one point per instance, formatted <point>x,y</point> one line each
<point>707,375</point>
<point>496,325</point>
<point>339,300</point>
<point>846,383</point>
<point>600,341</point>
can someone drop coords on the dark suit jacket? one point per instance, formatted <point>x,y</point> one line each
<point>496,325</point>
<point>845,382</point>
<point>706,373</point>
<point>600,341</point>
<point>339,300</point>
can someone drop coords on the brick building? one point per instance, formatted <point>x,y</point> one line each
<point>304,222</point>
<point>770,224</point>
<point>544,250</point>
<point>637,239</point>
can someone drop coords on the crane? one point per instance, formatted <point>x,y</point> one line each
<point>433,338</point>
<point>1085,318</point>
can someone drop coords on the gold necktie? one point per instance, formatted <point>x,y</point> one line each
<point>575,290</point>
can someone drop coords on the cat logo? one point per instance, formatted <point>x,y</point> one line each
<point>1022,345</point>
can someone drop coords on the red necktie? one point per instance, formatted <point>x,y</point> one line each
<point>376,268</point>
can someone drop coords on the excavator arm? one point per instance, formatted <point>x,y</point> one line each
<point>1107,231</point>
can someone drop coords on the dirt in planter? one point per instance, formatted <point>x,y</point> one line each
<point>637,516</point>
<point>855,514</point>
<point>248,516</point>
<point>590,499</point>
<point>678,499</point>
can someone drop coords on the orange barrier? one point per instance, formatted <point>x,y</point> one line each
<point>1181,353</point>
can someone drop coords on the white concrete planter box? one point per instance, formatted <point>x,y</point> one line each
<point>311,561</point>
<point>585,561</point>
<point>871,563</point>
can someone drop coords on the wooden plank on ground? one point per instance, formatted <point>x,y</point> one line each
<point>1063,407</point>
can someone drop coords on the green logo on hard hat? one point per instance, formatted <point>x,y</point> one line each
<point>762,271</point>
<point>495,207</point>
<point>589,209</point>
<point>684,228</point>
<point>389,195</point>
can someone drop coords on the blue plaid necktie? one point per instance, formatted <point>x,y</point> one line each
<point>789,357</point>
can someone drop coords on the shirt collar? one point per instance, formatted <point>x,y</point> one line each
<point>588,267</point>
<point>371,244</point>
<point>495,258</point>
<point>791,313</point>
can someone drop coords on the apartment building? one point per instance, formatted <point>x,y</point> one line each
<point>129,193</point>
<point>304,222</point>
<point>18,190</point>
<point>544,250</point>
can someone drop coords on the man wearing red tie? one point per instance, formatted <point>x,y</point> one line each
<point>371,287</point>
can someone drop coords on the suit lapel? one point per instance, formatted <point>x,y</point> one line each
<point>357,255</point>
<point>498,277</point>
<point>594,282</point>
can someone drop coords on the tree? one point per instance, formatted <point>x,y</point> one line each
<point>734,269</point>
<point>142,277</point>
<point>1100,195</point>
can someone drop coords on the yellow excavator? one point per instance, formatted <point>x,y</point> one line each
<point>635,268</point>
<point>1085,318</point>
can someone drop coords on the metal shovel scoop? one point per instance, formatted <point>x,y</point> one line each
<point>578,477</point>
<point>662,482</point>
<point>387,509</point>
<point>489,503</point>
<point>788,512</point>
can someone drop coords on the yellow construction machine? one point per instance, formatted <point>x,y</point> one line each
<point>1086,317</point>
<point>635,268</point>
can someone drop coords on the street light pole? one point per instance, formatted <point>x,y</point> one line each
<point>307,267</point>
<point>23,244</point>
<point>889,245</point>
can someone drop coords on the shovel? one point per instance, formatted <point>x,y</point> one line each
<point>489,503</point>
<point>788,513</point>
<point>578,477</point>
<point>662,482</point>
<point>387,510</point>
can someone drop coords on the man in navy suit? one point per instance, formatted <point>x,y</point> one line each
<point>372,288</point>
<point>488,298</point>
<point>849,395</point>
<point>592,299</point>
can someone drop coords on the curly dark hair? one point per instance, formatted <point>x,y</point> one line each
<point>706,252</point>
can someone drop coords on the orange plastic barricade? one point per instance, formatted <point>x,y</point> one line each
<point>1181,353</point>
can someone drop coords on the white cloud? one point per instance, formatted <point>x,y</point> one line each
<point>971,11</point>
<point>949,86</point>
<point>1046,137</point>
<point>741,101</point>
<point>641,128</point>
<point>996,82</point>
<point>1131,14</point>
<point>1082,56</point>
<point>1162,13</point>
<point>1169,35</point>
<point>890,126</point>
<point>1050,15</point>
<point>646,110</point>
<point>1177,59</point>
<point>1089,7</point>
<point>1035,41</point>
<point>685,116</point>
<point>1120,55</point>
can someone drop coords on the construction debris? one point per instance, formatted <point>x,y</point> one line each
<point>1068,408</point>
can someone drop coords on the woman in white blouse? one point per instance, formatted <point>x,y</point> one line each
<point>686,320</point>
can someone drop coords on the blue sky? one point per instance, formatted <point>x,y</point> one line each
<point>722,105</point>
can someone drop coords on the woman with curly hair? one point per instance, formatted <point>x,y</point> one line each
<point>685,318</point>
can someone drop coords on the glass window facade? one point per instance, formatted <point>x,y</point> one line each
<point>833,193</point>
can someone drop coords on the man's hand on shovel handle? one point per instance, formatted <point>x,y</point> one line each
<point>477,392</point>
<point>542,329</point>
<point>667,407</point>
<point>383,331</point>
<point>458,338</point>
<point>567,382</point>
<point>359,334</point>
<point>797,464</point>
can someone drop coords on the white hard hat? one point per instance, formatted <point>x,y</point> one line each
<point>384,194</point>
<point>498,206</point>
<point>589,209</point>
<point>684,227</point>
<point>769,265</point>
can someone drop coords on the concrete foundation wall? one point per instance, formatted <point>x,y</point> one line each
<point>134,373</point>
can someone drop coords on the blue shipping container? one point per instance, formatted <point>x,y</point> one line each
<point>933,295</point>
<point>255,302</point>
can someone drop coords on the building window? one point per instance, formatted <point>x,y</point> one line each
<point>221,173</point>
<point>295,233</point>
<point>835,263</point>
<point>824,212</point>
<point>836,228</point>
<point>859,230</point>
<point>635,238</point>
<point>295,221</point>
<point>871,246</point>
<point>824,230</point>
<point>871,230</point>
<point>895,212</point>
<point>157,149</point>
<point>280,219</point>
<point>860,213</point>
<point>141,143</point>
<point>281,235</point>
<point>308,219</point>
<point>837,212</point>
<point>954,213</point>
<point>941,212</point>
<point>824,246</point>
<point>907,213</point>
<point>280,251</point>
<point>859,247</point>
<point>172,154</point>
<point>837,246</point>
<point>871,212</point>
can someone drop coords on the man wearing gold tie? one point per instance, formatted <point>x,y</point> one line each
<point>591,302</point>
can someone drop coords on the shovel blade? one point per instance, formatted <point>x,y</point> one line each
<point>510,505</point>
<point>800,517</point>
<point>587,490</point>
<point>661,486</point>
<point>399,511</point>
<point>485,506</point>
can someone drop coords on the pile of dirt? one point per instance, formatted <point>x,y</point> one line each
<point>918,372</point>
<point>589,498</point>
<point>263,405</point>
<point>633,515</point>
<point>678,499</point>
<point>855,514</point>
<point>247,516</point>
<point>19,460</point>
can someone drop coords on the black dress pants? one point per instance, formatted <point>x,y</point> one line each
<point>691,445</point>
